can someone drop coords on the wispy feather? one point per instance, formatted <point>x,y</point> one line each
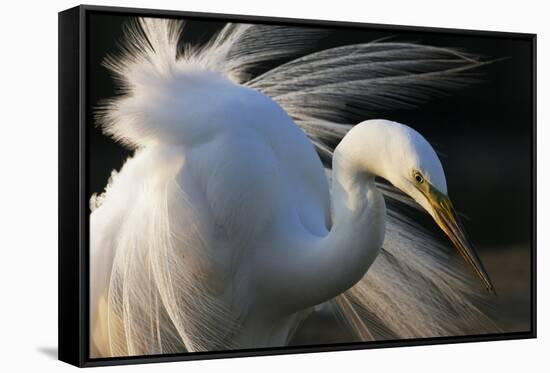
<point>162,294</point>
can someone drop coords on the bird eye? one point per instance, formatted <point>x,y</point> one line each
<point>418,178</point>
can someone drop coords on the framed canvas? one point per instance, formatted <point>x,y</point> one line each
<point>234,186</point>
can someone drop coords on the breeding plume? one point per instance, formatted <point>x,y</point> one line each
<point>236,217</point>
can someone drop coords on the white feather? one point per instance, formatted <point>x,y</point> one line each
<point>168,244</point>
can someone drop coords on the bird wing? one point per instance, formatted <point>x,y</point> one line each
<point>159,284</point>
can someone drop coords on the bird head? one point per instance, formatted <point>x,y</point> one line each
<point>409,162</point>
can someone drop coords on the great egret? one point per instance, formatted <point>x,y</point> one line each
<point>222,231</point>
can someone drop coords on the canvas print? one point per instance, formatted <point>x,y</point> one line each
<point>256,185</point>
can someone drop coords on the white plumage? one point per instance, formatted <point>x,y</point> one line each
<point>221,231</point>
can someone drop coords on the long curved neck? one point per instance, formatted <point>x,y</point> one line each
<point>328,266</point>
<point>359,218</point>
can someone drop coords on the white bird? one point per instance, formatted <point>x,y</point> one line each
<point>222,231</point>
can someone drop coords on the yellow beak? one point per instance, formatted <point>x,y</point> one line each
<point>447,219</point>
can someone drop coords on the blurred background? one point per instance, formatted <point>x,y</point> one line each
<point>482,132</point>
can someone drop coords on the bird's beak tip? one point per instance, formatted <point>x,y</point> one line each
<point>448,220</point>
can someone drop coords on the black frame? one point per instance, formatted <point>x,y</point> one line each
<point>74,211</point>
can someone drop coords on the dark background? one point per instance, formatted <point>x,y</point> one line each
<point>482,132</point>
